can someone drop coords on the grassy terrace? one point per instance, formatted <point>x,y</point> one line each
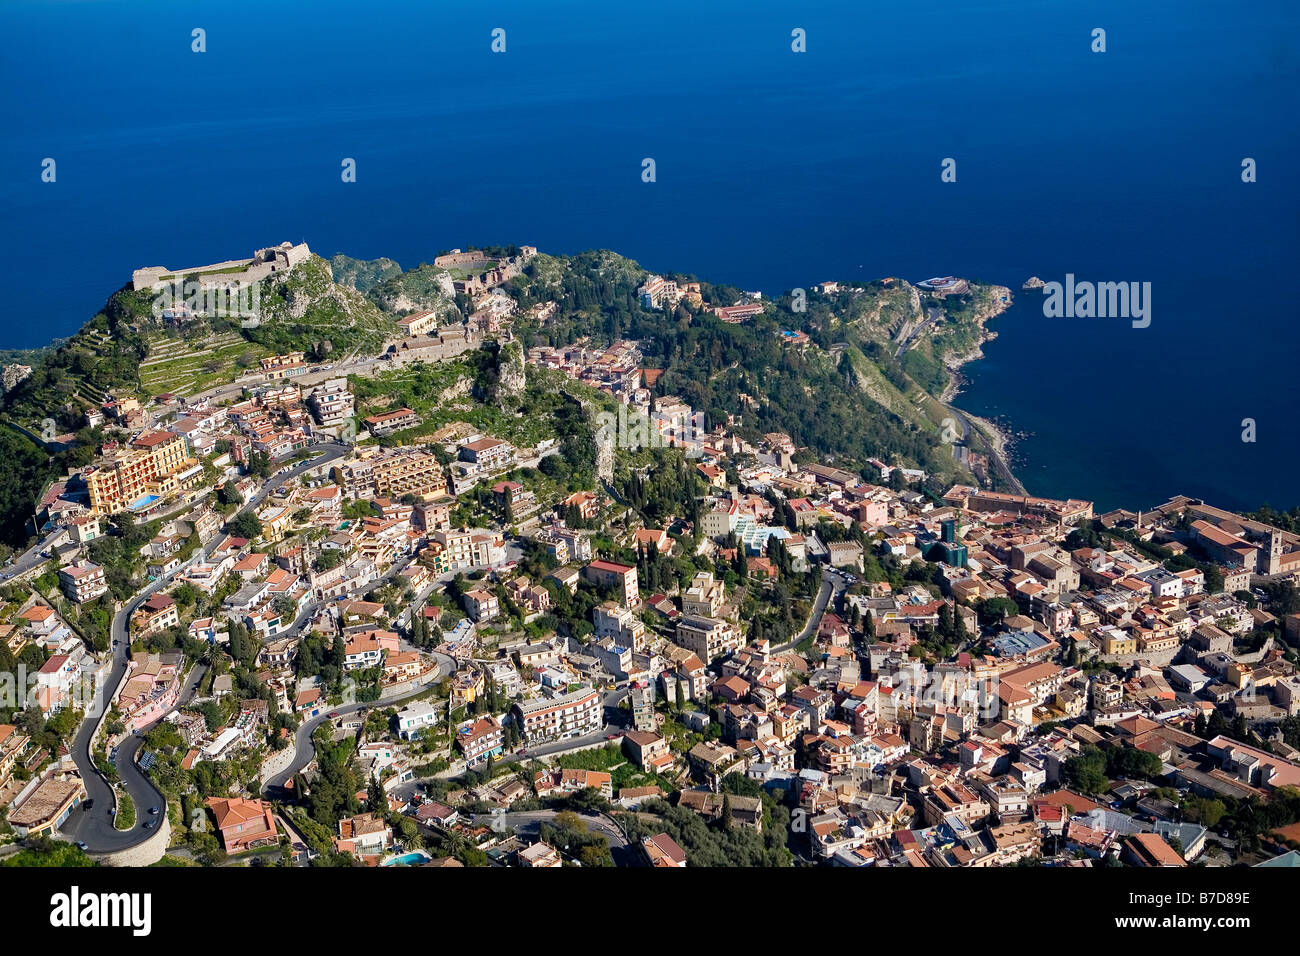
<point>174,365</point>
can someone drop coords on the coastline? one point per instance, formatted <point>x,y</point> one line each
<point>998,440</point>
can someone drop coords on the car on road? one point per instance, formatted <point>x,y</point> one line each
<point>333,714</point>
<point>112,811</point>
<point>148,824</point>
<point>153,811</point>
<point>82,846</point>
<point>612,736</point>
<point>87,805</point>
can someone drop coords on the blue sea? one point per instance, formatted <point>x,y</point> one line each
<point>774,170</point>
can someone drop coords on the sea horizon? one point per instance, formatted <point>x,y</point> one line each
<point>774,171</point>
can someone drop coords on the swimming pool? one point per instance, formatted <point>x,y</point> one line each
<point>408,859</point>
<point>144,501</point>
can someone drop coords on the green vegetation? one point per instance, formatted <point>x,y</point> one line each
<point>125,818</point>
<point>572,835</point>
<point>710,363</point>
<point>48,852</point>
<point>422,288</point>
<point>303,310</point>
<point>1091,771</point>
<point>194,363</point>
<point>362,274</point>
<point>718,843</point>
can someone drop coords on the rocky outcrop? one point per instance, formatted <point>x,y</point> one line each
<point>423,288</point>
<point>512,376</point>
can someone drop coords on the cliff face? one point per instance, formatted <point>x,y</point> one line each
<point>994,300</point>
<point>12,375</point>
<point>302,308</point>
<point>512,376</point>
<point>424,288</point>
<point>361,274</point>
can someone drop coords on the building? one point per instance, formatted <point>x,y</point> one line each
<point>392,421</point>
<point>568,715</point>
<point>82,581</point>
<point>410,472</point>
<point>705,596</point>
<point>490,454</point>
<point>332,403</point>
<point>648,750</point>
<point>48,806</point>
<point>480,740</point>
<point>641,695</point>
<point>414,718</point>
<point>708,637</point>
<point>662,851</point>
<point>621,577</point>
<point>621,623</point>
<point>539,855</point>
<point>153,464</point>
<point>419,323</point>
<point>1151,850</point>
<point>243,824</point>
<point>157,613</point>
<point>481,605</point>
<point>13,744</point>
<point>365,834</point>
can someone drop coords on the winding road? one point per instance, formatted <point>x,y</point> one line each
<point>94,827</point>
<point>833,585</point>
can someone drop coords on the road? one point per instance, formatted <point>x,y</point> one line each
<point>832,587</point>
<point>1009,480</point>
<point>94,827</point>
<point>530,822</point>
<point>29,559</point>
<point>304,750</point>
<point>932,315</point>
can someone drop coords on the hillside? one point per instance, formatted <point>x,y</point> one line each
<point>127,350</point>
<point>423,288</point>
<point>362,274</point>
<point>842,396</point>
<point>305,310</point>
<point>869,380</point>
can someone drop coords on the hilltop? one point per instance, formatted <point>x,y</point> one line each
<point>848,371</point>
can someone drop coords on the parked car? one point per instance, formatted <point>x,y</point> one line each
<point>87,804</point>
<point>82,846</point>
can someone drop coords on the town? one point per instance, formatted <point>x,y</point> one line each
<point>415,605</point>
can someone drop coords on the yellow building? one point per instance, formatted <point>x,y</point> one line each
<point>147,466</point>
<point>1119,642</point>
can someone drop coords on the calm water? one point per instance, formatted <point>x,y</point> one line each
<point>774,170</point>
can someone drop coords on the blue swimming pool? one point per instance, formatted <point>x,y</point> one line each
<point>144,501</point>
<point>408,859</point>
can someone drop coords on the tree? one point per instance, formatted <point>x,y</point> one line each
<point>246,525</point>
<point>994,611</point>
<point>327,559</point>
